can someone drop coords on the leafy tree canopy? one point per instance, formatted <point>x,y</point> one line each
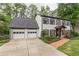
<point>69,11</point>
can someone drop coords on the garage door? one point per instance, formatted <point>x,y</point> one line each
<point>18,35</point>
<point>32,34</point>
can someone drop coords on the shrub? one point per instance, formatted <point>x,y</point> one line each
<point>44,33</point>
<point>53,37</point>
<point>45,38</point>
<point>74,34</point>
<point>48,39</point>
<point>4,37</point>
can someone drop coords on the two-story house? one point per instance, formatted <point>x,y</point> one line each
<point>23,28</point>
<point>53,26</point>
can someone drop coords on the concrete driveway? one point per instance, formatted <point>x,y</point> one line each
<point>28,47</point>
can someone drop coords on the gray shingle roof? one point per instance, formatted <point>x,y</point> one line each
<point>27,23</point>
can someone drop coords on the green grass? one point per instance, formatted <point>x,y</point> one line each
<point>3,41</point>
<point>71,48</point>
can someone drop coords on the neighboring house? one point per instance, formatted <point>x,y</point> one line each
<point>33,28</point>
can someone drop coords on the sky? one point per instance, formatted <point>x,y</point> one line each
<point>52,6</point>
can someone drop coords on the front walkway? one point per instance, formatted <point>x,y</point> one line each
<point>59,43</point>
<point>29,47</point>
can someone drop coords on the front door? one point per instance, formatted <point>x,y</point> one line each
<point>58,32</point>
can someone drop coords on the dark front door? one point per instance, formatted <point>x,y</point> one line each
<point>58,32</point>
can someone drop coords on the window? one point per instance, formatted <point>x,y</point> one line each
<point>52,21</point>
<point>14,32</point>
<point>18,32</point>
<point>52,32</point>
<point>29,32</point>
<point>68,23</point>
<point>45,20</point>
<point>35,32</point>
<point>47,31</point>
<point>58,22</point>
<point>22,32</point>
<point>63,22</point>
<point>32,32</point>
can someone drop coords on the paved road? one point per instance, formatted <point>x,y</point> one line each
<point>28,47</point>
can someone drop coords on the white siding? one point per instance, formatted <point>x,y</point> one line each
<point>10,34</point>
<point>39,21</point>
<point>47,26</point>
<point>26,33</point>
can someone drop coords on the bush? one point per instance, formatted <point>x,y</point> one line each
<point>53,37</point>
<point>4,37</point>
<point>48,39</point>
<point>44,33</point>
<point>45,38</point>
<point>74,34</point>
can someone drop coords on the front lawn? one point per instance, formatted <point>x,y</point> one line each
<point>71,48</point>
<point>3,41</point>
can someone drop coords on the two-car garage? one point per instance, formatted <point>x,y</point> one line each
<point>23,28</point>
<point>23,34</point>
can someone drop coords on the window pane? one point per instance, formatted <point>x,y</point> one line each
<point>14,32</point>
<point>58,22</point>
<point>63,22</point>
<point>18,32</point>
<point>22,32</point>
<point>52,32</point>
<point>45,20</point>
<point>35,32</point>
<point>68,23</point>
<point>52,21</point>
<point>32,32</point>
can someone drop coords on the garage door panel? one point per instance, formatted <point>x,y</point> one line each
<point>32,34</point>
<point>18,35</point>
